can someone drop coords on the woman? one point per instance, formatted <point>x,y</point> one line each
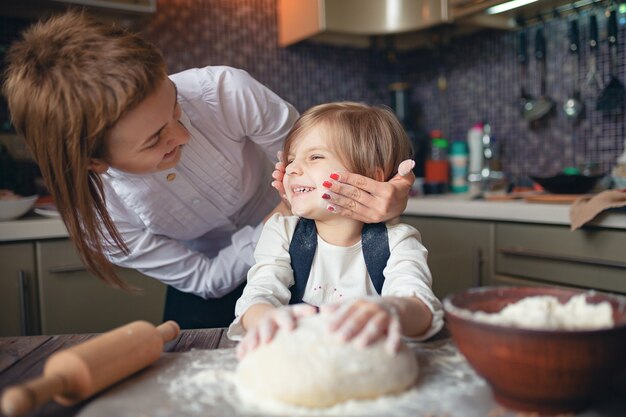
<point>166,175</point>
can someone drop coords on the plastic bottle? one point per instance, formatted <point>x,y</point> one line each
<point>475,144</point>
<point>437,175</point>
<point>458,167</point>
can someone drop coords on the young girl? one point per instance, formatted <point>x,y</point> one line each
<point>375,278</point>
<point>163,174</point>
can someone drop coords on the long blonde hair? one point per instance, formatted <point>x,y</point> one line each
<point>367,139</point>
<point>68,81</point>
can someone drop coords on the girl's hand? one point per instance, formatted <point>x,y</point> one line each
<point>366,321</point>
<point>283,318</point>
<point>364,199</point>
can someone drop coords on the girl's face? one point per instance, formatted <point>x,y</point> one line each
<point>148,138</point>
<point>310,162</point>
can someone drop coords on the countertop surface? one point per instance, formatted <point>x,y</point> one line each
<point>463,207</point>
<point>195,378</point>
<point>34,227</point>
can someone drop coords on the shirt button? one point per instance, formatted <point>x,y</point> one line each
<point>171,176</point>
<point>195,201</point>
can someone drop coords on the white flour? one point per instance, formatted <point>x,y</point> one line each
<point>547,313</point>
<point>208,385</point>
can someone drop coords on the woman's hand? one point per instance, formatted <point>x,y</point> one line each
<point>364,199</point>
<point>264,329</point>
<point>366,321</point>
<point>278,175</point>
<point>361,198</point>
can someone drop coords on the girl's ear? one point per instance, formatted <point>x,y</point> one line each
<point>380,175</point>
<point>98,166</point>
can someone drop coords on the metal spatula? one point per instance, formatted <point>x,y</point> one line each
<point>612,97</point>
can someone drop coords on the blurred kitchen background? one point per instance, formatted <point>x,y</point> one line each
<point>458,72</point>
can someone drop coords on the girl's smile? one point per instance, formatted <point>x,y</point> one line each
<point>310,162</point>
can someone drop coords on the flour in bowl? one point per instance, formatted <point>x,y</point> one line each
<point>547,313</point>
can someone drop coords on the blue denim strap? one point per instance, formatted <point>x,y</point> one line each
<point>375,248</point>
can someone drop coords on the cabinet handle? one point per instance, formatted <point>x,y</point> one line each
<point>67,269</point>
<point>567,258</point>
<point>24,293</point>
<point>477,266</point>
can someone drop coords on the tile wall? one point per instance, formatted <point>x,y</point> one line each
<point>481,70</point>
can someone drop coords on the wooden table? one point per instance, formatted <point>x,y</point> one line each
<point>22,358</point>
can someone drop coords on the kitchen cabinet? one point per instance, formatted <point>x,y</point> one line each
<point>464,253</point>
<point>459,251</point>
<point>588,258</point>
<point>46,289</point>
<point>72,300</point>
<point>18,300</point>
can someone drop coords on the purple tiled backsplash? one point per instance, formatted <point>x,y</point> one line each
<point>481,70</point>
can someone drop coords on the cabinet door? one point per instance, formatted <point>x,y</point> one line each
<point>18,290</point>
<point>588,258</point>
<point>74,301</point>
<point>459,252</point>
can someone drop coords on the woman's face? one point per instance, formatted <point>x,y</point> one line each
<point>149,138</point>
<point>310,162</point>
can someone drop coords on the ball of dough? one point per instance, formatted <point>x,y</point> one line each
<point>312,367</point>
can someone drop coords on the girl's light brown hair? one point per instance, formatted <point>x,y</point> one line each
<point>68,81</point>
<point>367,139</point>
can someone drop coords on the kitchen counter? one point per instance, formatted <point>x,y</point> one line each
<point>35,227</point>
<point>520,211</point>
<point>193,379</point>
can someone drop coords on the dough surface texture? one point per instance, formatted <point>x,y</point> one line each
<point>312,367</point>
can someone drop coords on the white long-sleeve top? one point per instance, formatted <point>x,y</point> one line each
<point>337,273</point>
<point>198,231</point>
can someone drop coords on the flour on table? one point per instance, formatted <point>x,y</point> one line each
<point>203,383</point>
<point>547,313</point>
<point>312,367</point>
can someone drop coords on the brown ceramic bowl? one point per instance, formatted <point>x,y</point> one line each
<point>546,371</point>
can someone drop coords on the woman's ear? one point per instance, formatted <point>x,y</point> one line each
<point>98,166</point>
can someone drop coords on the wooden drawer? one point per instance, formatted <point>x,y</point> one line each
<point>594,258</point>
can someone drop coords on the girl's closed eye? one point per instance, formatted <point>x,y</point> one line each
<point>154,142</point>
<point>314,157</point>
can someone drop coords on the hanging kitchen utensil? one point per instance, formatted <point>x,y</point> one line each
<point>541,106</point>
<point>612,97</point>
<point>522,57</point>
<point>573,105</point>
<point>594,82</point>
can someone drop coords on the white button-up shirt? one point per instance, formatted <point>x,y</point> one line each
<point>196,230</point>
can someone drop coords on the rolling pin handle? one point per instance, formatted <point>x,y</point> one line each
<point>21,399</point>
<point>169,330</point>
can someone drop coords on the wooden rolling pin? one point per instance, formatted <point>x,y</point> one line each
<point>76,373</point>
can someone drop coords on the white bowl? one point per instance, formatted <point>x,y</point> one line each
<point>12,209</point>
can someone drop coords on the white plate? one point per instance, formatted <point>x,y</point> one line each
<point>47,212</point>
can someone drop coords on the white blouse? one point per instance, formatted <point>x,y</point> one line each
<point>195,226</point>
<point>337,273</point>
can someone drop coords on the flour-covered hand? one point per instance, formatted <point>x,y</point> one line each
<point>282,318</point>
<point>365,321</point>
